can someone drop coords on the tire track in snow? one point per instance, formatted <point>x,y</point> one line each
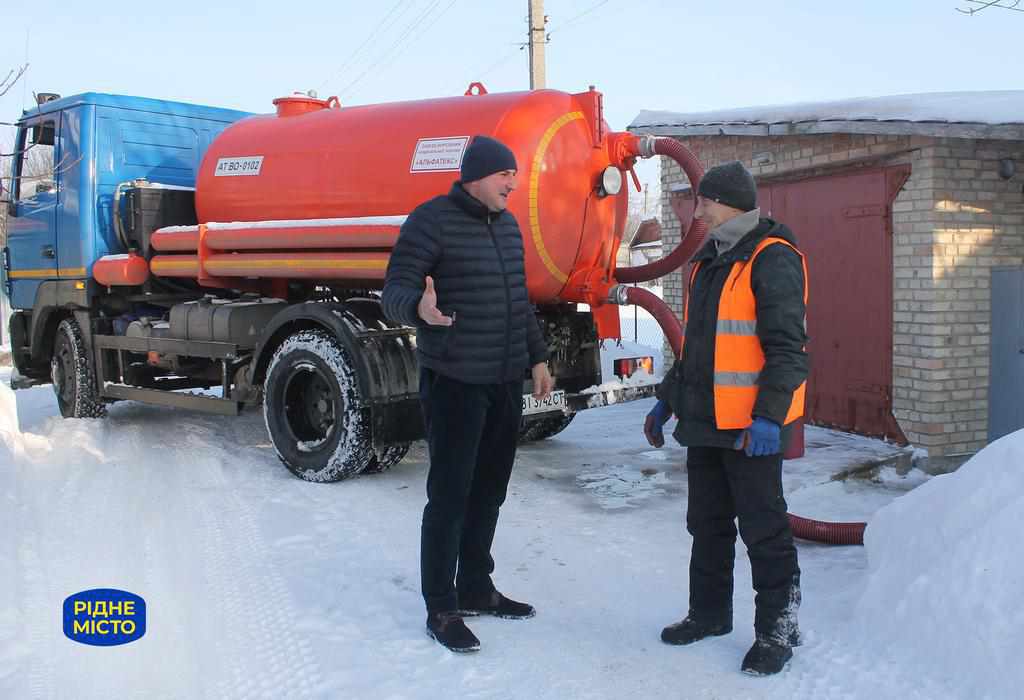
<point>174,529</point>
<point>257,653</point>
<point>272,661</point>
<point>42,612</point>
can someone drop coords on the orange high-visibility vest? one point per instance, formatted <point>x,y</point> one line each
<point>739,357</point>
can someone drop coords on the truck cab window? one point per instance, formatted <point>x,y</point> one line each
<point>36,161</point>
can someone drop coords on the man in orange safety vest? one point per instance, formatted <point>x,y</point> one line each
<point>736,390</point>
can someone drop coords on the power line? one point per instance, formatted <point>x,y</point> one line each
<point>573,20</point>
<point>393,51</point>
<point>501,61</point>
<point>369,38</point>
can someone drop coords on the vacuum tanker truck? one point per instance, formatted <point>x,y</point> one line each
<point>215,260</point>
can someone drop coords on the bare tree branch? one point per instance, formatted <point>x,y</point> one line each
<point>12,77</point>
<point>65,165</point>
<point>985,4</point>
<point>16,153</point>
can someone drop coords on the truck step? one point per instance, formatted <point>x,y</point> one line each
<point>207,404</point>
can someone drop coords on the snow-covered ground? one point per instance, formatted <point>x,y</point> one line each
<point>259,585</point>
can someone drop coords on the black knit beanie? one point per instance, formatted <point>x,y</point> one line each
<point>486,156</point>
<point>730,184</point>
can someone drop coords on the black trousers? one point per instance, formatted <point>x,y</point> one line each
<point>726,485</point>
<point>471,431</point>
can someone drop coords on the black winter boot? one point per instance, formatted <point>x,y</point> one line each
<point>766,658</point>
<point>690,630</point>
<point>451,632</point>
<point>497,605</point>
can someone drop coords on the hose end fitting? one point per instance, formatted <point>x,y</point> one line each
<point>617,294</point>
<point>647,146</point>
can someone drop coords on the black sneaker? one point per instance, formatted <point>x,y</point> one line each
<point>766,658</point>
<point>451,632</point>
<point>689,630</point>
<point>497,605</point>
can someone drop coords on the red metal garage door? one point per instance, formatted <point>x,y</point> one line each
<point>844,226</point>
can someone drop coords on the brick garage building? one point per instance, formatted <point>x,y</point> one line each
<point>910,209</point>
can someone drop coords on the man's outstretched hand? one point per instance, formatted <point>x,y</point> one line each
<point>427,308</point>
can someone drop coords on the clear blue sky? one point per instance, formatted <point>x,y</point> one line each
<point>643,54</point>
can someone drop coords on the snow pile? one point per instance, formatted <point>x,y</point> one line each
<point>978,107</point>
<point>946,574</point>
<point>11,439</point>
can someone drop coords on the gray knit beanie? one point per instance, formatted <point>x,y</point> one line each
<point>730,184</point>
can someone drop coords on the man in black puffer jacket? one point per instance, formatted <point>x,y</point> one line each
<point>736,390</point>
<point>457,273</point>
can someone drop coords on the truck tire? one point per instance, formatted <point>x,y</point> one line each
<point>393,454</point>
<point>72,374</point>
<point>544,428</point>
<point>313,409</point>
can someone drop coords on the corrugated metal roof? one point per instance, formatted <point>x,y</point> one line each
<point>988,114</point>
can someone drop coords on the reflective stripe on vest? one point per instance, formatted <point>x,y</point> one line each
<point>738,354</point>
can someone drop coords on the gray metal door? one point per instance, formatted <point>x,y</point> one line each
<point>1006,371</point>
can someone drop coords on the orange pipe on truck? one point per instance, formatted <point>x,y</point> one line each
<point>303,234</point>
<point>349,266</point>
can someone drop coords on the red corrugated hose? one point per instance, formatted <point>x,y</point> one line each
<point>662,313</point>
<point>694,234</point>
<point>827,533</point>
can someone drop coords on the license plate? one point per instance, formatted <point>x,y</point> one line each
<point>553,402</point>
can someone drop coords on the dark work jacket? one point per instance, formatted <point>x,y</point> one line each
<point>778,284</point>
<point>476,259</point>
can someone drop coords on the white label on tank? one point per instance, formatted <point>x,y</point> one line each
<point>244,165</point>
<point>438,154</point>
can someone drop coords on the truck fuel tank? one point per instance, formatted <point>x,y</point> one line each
<point>238,322</point>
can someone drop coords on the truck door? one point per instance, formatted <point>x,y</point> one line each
<point>31,253</point>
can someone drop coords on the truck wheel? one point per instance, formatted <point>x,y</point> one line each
<point>312,409</point>
<point>393,454</point>
<point>544,428</point>
<point>72,374</point>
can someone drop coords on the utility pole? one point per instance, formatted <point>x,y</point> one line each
<point>538,37</point>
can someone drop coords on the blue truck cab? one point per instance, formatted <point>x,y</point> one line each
<point>71,155</point>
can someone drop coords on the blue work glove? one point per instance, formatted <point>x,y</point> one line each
<point>761,438</point>
<point>654,421</point>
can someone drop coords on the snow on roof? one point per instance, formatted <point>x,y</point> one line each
<point>989,114</point>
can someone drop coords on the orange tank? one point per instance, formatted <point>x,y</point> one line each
<point>317,160</point>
